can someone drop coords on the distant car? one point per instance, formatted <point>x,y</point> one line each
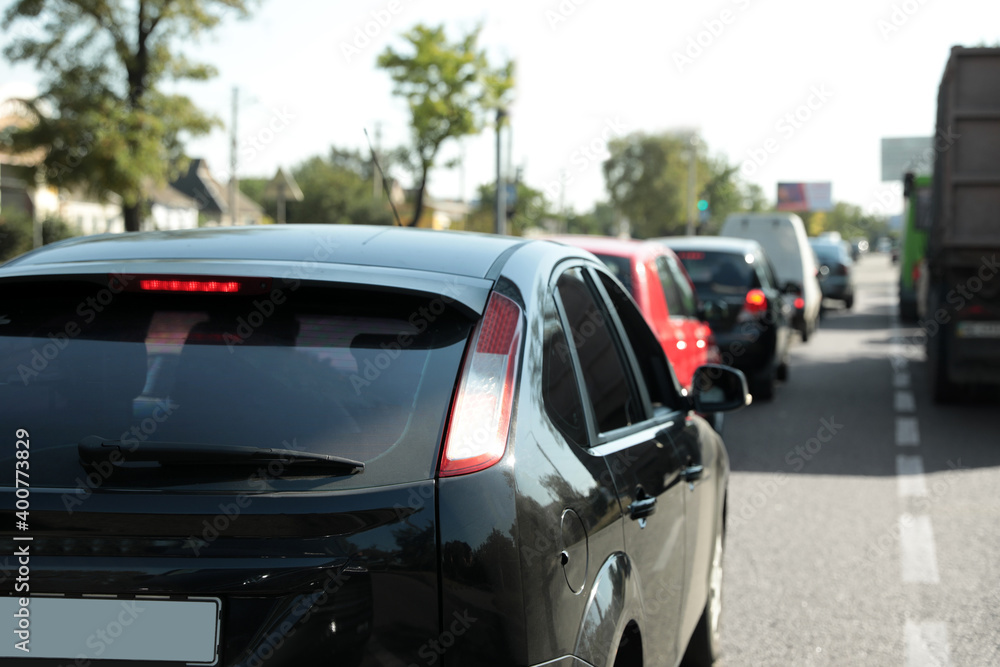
<point>836,271</point>
<point>883,245</point>
<point>783,237</point>
<point>859,247</point>
<point>352,445</point>
<point>657,281</point>
<point>749,312</point>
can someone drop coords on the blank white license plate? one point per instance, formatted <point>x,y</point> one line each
<point>979,329</point>
<point>87,629</point>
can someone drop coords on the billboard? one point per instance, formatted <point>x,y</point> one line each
<point>903,154</point>
<point>805,196</point>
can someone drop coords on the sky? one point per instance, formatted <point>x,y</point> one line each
<point>791,90</point>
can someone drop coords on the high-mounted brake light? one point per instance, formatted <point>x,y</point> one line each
<point>193,284</point>
<point>481,415</point>
<point>690,254</point>
<point>230,287</point>
<point>756,302</point>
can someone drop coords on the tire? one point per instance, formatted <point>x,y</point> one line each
<point>943,390</point>
<point>762,387</point>
<point>782,372</point>
<point>705,645</point>
<point>908,311</point>
<point>849,302</point>
<point>805,331</point>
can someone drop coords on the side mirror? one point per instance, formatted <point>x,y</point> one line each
<point>717,388</point>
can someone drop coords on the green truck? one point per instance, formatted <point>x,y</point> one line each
<point>916,222</point>
<point>960,287</point>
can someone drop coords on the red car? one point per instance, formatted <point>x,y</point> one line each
<point>657,281</point>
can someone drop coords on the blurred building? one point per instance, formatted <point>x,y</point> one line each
<point>212,198</point>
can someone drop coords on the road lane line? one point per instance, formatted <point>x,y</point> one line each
<point>907,433</point>
<point>905,402</point>
<point>917,553</point>
<point>901,380</point>
<point>910,476</point>
<point>926,645</point>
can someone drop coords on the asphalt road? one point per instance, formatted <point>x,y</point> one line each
<point>863,519</point>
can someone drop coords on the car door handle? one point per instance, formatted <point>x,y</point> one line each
<point>693,473</point>
<point>640,509</point>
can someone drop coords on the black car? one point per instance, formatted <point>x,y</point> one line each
<point>836,270</point>
<point>347,445</point>
<point>748,312</point>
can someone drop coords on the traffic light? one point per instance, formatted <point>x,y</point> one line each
<point>702,204</point>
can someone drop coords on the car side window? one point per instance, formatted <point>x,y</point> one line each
<point>765,264</point>
<point>560,391</point>
<point>611,394</point>
<point>653,365</point>
<point>688,299</point>
<point>674,303</point>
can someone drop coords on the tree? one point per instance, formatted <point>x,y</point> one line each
<point>111,126</point>
<point>450,88</point>
<point>529,208</point>
<point>336,190</point>
<point>647,179</point>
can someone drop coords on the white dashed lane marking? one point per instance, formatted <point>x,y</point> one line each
<point>917,553</point>
<point>907,432</point>
<point>926,645</point>
<point>905,402</point>
<point>910,476</point>
<point>901,380</point>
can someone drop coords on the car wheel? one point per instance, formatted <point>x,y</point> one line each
<point>782,372</point>
<point>705,645</point>
<point>805,331</point>
<point>762,387</point>
<point>908,311</point>
<point>849,302</point>
<point>944,391</point>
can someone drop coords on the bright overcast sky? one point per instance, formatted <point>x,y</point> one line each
<point>591,69</point>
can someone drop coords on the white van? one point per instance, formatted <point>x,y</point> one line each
<point>784,239</point>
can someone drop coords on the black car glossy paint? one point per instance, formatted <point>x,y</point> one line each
<point>524,563</point>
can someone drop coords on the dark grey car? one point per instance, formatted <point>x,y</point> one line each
<point>355,446</point>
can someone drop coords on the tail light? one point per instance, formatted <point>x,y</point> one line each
<point>800,303</point>
<point>841,269</point>
<point>915,273</point>
<point>756,302</point>
<point>481,415</point>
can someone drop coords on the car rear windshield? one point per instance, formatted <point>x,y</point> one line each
<point>827,252</point>
<point>365,375</point>
<point>721,273</point>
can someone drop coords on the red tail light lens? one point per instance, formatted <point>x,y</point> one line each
<point>915,274</point>
<point>192,284</point>
<point>756,302</point>
<point>800,303</point>
<point>481,414</point>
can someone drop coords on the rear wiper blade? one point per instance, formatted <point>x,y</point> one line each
<point>95,449</point>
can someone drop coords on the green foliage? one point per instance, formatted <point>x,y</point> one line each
<point>598,221</point>
<point>16,233</point>
<point>530,209</point>
<point>449,86</point>
<point>335,190</point>
<point>647,179</point>
<point>848,219</point>
<point>104,63</point>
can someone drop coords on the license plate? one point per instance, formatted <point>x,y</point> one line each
<point>979,329</point>
<point>91,629</point>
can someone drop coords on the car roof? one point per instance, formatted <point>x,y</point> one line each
<point>716,243</point>
<point>457,253</point>
<point>609,245</point>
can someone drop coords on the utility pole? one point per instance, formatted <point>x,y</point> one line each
<point>234,181</point>
<point>692,169</point>
<point>501,208</point>
<point>376,154</point>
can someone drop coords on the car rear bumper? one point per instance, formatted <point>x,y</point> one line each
<point>749,353</point>
<point>837,288</point>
